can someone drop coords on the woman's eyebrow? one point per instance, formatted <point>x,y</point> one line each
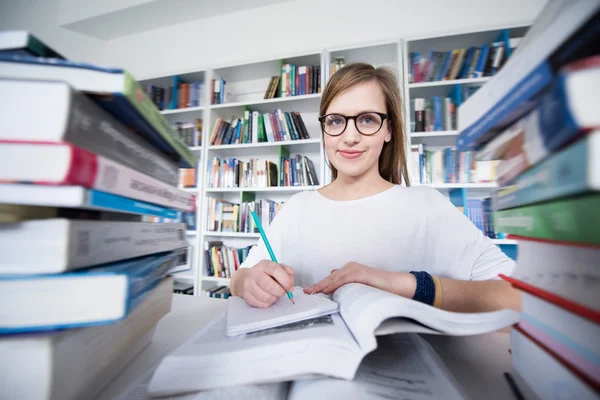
<point>359,112</point>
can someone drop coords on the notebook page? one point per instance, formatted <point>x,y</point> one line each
<point>244,318</point>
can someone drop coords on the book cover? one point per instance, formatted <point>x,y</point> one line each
<point>573,220</point>
<point>113,89</point>
<point>571,171</point>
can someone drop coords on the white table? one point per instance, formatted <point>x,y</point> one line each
<point>477,362</point>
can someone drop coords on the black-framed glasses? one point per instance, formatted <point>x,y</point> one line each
<point>367,123</point>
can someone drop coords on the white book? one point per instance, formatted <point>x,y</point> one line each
<point>244,318</point>
<point>544,374</point>
<point>331,345</point>
<point>65,164</point>
<point>63,244</point>
<point>78,363</point>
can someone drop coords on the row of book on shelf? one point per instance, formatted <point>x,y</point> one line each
<point>297,80</point>
<point>222,261</point>
<point>189,132</point>
<point>255,173</point>
<point>472,62</point>
<point>447,165</point>
<point>80,266</point>
<point>254,127</point>
<point>228,216</point>
<point>549,202</point>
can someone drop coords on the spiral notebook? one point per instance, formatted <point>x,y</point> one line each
<point>244,318</point>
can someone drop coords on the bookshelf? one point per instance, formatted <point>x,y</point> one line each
<point>245,86</point>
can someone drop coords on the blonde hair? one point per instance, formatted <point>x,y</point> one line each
<point>392,160</point>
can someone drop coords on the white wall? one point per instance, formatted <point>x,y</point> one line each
<point>304,25</point>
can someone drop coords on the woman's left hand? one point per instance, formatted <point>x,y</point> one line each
<point>351,272</point>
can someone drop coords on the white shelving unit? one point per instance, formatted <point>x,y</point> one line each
<point>247,83</point>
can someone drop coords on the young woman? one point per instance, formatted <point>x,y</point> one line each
<point>364,227</point>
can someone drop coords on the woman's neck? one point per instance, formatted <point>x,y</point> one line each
<point>345,188</point>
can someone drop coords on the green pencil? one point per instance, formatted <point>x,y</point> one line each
<point>268,245</point>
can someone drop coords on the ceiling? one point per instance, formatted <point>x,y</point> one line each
<point>124,18</point>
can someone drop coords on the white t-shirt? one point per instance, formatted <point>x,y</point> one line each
<point>400,229</point>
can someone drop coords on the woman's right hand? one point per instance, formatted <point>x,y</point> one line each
<point>264,283</point>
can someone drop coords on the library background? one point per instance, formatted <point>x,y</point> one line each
<point>131,158</point>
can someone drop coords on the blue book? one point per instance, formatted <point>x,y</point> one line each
<point>95,296</point>
<point>572,171</point>
<point>523,96</point>
<point>483,55</point>
<point>79,197</point>
<point>114,89</point>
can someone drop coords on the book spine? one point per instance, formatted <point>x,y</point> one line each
<point>568,172</point>
<point>570,220</point>
<point>96,172</point>
<point>113,202</point>
<point>142,115</point>
<point>93,129</point>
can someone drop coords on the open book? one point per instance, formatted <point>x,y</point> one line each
<point>331,345</point>
<point>243,318</point>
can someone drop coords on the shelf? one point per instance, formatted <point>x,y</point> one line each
<point>232,234</point>
<point>266,101</point>
<point>264,144</point>
<point>434,134</point>
<point>191,233</point>
<point>220,281</point>
<point>276,189</point>
<point>182,110</point>
<point>195,148</point>
<point>470,81</point>
<point>459,185</point>
<point>190,190</point>
<point>187,276</point>
<point>504,241</point>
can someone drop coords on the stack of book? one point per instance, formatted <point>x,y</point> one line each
<point>222,261</point>
<point>548,141</point>
<point>450,166</point>
<point>84,157</point>
<point>254,127</point>
<point>472,62</point>
<point>226,216</point>
<point>255,173</point>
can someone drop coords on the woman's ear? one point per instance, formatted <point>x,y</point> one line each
<point>388,136</point>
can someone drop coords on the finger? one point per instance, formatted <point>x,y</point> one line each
<point>253,301</point>
<point>260,295</point>
<point>280,275</point>
<point>270,285</point>
<point>318,287</point>
<point>335,282</point>
<point>288,269</point>
<point>333,270</point>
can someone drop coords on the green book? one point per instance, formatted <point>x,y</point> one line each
<point>575,219</point>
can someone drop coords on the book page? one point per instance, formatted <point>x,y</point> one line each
<point>404,366</point>
<point>365,308</point>
<point>323,345</point>
<point>244,318</point>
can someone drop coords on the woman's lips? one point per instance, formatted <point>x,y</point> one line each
<point>350,154</point>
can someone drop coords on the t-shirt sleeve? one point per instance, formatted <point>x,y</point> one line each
<point>275,232</point>
<point>460,247</point>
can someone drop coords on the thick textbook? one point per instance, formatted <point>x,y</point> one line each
<point>25,43</point>
<point>332,345</point>
<point>113,89</point>
<point>96,296</point>
<point>564,112</point>
<point>244,318</point>
<point>554,40</point>
<point>573,219</point>
<point>544,371</point>
<point>65,164</point>
<point>66,115</point>
<point>58,245</point>
<point>79,197</point>
<point>567,274</point>
<point>571,171</point>
<point>79,363</point>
